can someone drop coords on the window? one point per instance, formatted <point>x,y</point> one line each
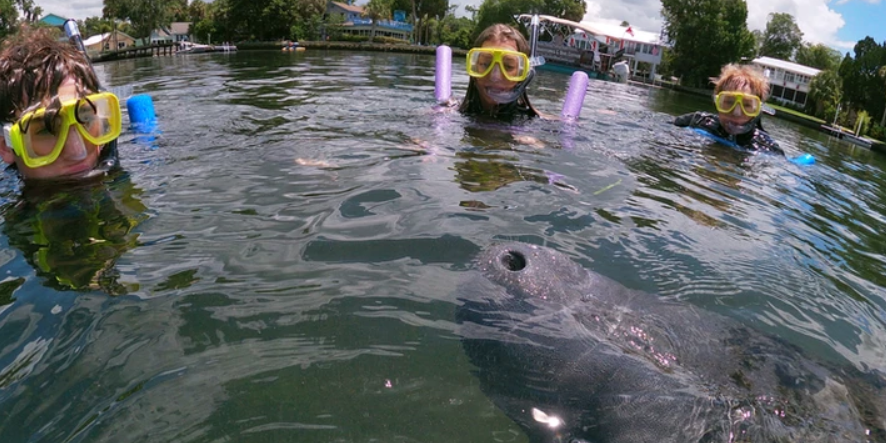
<point>800,98</point>
<point>777,91</point>
<point>789,77</point>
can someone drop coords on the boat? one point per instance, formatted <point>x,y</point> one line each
<point>293,47</point>
<point>596,49</point>
<point>193,48</point>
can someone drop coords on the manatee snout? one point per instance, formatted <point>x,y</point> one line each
<point>533,272</point>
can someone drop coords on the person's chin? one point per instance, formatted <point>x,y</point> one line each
<point>67,172</point>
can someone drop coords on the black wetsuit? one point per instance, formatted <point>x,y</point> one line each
<point>756,140</point>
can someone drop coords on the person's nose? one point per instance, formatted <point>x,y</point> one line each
<point>496,75</point>
<point>75,147</point>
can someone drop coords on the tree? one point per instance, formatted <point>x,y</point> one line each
<point>377,10</point>
<point>144,15</point>
<point>863,88</point>
<point>758,41</point>
<point>825,91</point>
<point>30,12</point>
<point>706,35</point>
<point>782,37</point>
<point>818,56</point>
<point>882,74</point>
<point>8,18</point>
<point>503,11</point>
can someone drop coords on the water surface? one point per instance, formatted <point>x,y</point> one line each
<point>281,262</point>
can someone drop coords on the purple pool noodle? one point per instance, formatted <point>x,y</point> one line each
<point>575,95</point>
<point>443,74</point>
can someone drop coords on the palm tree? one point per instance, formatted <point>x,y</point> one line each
<point>377,10</point>
<point>882,74</point>
<point>825,90</point>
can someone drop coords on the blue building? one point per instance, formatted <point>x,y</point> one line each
<point>356,24</point>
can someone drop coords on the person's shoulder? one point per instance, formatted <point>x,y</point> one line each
<point>693,118</point>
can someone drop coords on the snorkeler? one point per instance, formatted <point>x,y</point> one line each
<point>500,71</point>
<point>739,93</point>
<point>57,123</point>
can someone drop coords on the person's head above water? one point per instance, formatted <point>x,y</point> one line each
<point>739,94</point>
<point>500,71</point>
<point>55,121</point>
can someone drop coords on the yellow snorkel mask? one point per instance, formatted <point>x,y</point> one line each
<point>513,65</point>
<point>727,101</point>
<point>39,135</point>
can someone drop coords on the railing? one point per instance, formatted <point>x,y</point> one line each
<point>383,23</point>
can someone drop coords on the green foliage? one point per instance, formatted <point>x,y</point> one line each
<point>377,10</point>
<point>503,11</point>
<point>8,18</point>
<point>145,15</point>
<point>782,37</point>
<point>456,32</point>
<point>863,87</point>
<point>30,12</point>
<point>825,92</point>
<point>707,34</point>
<point>818,56</point>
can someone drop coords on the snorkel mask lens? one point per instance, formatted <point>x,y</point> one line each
<point>39,136</point>
<point>512,65</point>
<point>750,104</point>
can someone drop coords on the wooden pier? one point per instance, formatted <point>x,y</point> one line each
<point>156,49</point>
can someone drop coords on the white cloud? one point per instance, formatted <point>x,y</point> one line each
<point>78,9</point>
<point>815,18</point>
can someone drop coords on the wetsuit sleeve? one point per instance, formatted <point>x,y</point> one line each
<point>685,119</point>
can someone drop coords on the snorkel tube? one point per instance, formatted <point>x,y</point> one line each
<point>108,158</point>
<point>141,107</point>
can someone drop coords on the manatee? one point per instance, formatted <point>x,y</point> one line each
<point>573,356</point>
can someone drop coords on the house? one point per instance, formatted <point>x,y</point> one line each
<point>356,24</point>
<point>788,81</point>
<point>56,21</point>
<point>109,41</point>
<point>175,32</point>
<point>616,41</point>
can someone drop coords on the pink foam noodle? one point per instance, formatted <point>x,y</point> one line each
<point>575,96</point>
<point>443,74</point>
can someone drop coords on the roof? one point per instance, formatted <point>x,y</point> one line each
<point>180,28</point>
<point>351,8</point>
<point>98,38</point>
<point>620,32</point>
<point>796,68</point>
<point>53,20</point>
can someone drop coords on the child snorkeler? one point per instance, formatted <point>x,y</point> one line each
<point>57,124</point>
<point>500,71</point>
<point>739,93</point>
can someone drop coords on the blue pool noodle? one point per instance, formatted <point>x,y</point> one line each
<point>575,96</point>
<point>142,118</point>
<point>443,74</point>
<point>802,159</point>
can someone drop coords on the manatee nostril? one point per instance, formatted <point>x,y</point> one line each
<point>513,261</point>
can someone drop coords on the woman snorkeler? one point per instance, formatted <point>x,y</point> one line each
<point>500,71</point>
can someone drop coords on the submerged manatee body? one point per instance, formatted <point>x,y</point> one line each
<point>571,355</point>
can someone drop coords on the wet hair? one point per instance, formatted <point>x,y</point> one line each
<point>498,33</point>
<point>738,77</point>
<point>33,64</point>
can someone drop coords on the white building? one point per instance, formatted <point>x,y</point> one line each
<point>788,81</point>
<point>639,46</point>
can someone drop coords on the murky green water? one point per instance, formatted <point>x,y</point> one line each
<point>281,262</point>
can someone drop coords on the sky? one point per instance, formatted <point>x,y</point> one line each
<point>836,23</point>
